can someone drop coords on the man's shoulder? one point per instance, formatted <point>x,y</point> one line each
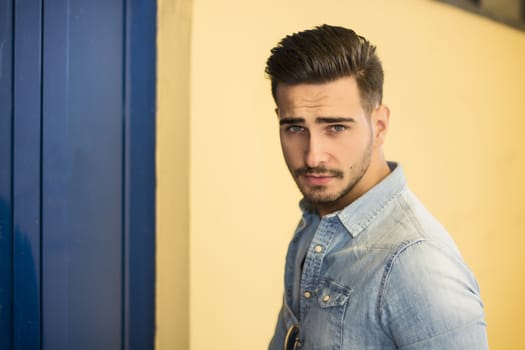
<point>406,221</point>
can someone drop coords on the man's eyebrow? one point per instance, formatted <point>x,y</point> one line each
<point>331,120</point>
<point>286,121</point>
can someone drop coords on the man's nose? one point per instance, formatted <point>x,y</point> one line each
<point>316,152</point>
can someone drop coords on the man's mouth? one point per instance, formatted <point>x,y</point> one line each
<point>318,176</point>
<point>318,179</point>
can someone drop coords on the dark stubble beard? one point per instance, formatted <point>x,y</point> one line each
<point>316,195</point>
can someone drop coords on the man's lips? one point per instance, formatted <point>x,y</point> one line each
<point>317,176</point>
<point>315,179</point>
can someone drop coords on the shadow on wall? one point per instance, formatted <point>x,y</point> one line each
<point>19,292</point>
<point>509,12</point>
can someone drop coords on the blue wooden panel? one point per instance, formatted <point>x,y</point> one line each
<point>57,159</point>
<point>26,173</point>
<point>140,171</point>
<point>77,203</point>
<point>83,174</point>
<point>6,202</point>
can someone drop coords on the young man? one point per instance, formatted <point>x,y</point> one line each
<point>368,266</point>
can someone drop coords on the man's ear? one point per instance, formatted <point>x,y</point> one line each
<point>380,118</point>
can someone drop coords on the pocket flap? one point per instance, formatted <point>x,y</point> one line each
<point>331,293</point>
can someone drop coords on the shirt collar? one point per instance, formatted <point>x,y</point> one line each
<point>357,215</point>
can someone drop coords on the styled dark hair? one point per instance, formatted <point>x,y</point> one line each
<point>324,54</point>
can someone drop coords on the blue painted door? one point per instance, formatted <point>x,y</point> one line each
<point>77,102</point>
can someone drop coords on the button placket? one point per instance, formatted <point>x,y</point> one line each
<point>313,261</point>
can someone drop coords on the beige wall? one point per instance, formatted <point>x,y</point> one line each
<point>173,141</point>
<point>454,84</point>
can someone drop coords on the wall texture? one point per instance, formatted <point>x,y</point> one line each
<point>173,138</point>
<point>454,84</point>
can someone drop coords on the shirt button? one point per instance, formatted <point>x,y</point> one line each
<point>326,298</point>
<point>318,248</point>
<point>307,295</point>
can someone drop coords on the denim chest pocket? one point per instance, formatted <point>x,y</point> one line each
<point>332,294</point>
<point>323,324</point>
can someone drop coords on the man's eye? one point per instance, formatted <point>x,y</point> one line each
<point>337,128</point>
<point>295,128</point>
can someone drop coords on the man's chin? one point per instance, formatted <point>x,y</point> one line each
<point>318,198</point>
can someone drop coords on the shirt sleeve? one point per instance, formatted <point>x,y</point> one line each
<point>430,300</point>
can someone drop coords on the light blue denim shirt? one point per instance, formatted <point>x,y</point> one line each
<point>381,273</point>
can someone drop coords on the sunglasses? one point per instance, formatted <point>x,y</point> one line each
<point>291,341</point>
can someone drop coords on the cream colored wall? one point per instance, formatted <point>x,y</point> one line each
<point>454,84</point>
<point>173,141</point>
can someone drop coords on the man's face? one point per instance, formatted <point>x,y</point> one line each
<point>328,141</point>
